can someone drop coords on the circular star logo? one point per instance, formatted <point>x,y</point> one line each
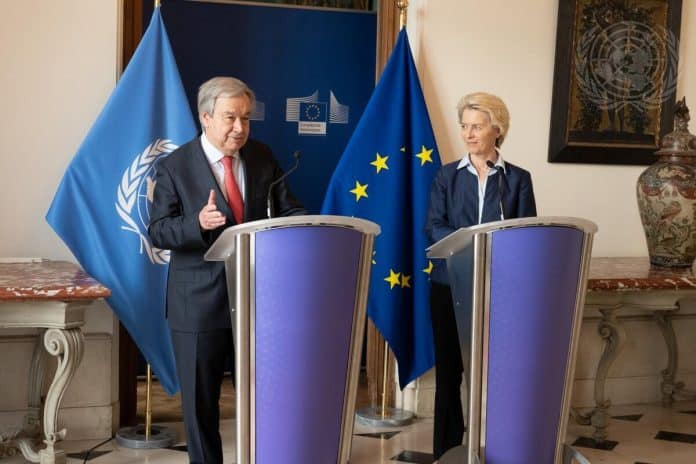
<point>312,112</point>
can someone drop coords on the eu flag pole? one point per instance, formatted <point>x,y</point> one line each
<point>101,207</point>
<point>384,175</point>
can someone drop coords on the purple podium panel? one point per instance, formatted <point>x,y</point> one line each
<point>305,299</point>
<point>534,274</point>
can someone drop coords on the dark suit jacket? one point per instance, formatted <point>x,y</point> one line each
<point>197,289</point>
<point>454,203</point>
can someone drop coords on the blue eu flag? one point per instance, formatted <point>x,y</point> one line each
<point>384,175</point>
<point>313,111</point>
<point>102,204</point>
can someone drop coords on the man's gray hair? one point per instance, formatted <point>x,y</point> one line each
<point>217,87</point>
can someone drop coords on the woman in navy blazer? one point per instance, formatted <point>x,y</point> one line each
<point>479,188</point>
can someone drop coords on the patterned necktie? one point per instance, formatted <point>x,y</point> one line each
<point>234,198</point>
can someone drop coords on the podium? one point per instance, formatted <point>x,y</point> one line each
<point>298,293</point>
<point>518,288</point>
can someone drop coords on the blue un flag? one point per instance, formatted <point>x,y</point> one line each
<point>101,208</point>
<point>384,175</point>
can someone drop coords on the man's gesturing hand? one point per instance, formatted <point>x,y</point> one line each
<point>209,217</point>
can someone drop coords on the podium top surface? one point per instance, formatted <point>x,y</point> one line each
<point>224,245</point>
<point>459,239</point>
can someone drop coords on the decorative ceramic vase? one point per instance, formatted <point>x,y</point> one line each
<point>666,194</point>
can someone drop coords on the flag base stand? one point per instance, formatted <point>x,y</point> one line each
<point>383,416</point>
<point>135,437</point>
<point>146,436</point>
<point>390,417</point>
<point>457,455</point>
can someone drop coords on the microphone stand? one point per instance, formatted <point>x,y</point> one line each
<point>501,182</point>
<point>269,198</point>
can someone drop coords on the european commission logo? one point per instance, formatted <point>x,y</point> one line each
<point>312,116</point>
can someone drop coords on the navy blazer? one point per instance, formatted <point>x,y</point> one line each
<point>197,289</point>
<point>454,203</point>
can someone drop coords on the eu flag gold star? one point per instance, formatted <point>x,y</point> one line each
<point>393,279</point>
<point>380,163</point>
<point>405,281</point>
<point>429,269</point>
<point>424,155</point>
<point>359,191</point>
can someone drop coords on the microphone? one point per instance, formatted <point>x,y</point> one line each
<point>501,182</point>
<point>269,198</point>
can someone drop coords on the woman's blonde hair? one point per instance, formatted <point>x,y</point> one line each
<point>490,104</point>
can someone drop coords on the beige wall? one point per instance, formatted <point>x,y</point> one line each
<point>57,68</point>
<point>507,48</point>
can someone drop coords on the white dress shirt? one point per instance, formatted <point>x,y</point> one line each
<point>215,160</point>
<point>466,163</point>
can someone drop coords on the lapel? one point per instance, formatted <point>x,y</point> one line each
<point>491,208</point>
<point>253,173</point>
<point>470,182</point>
<point>249,173</point>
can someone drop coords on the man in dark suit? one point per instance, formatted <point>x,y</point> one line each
<point>215,181</point>
<point>479,188</point>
